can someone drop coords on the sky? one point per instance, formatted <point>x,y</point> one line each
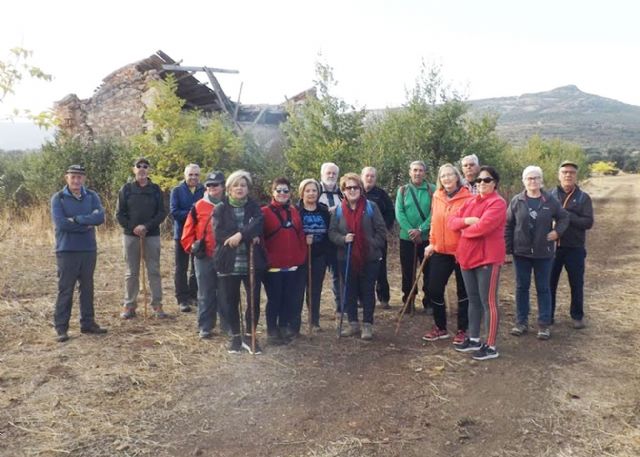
<point>490,48</point>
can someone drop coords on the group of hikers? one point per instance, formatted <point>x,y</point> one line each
<point>224,240</point>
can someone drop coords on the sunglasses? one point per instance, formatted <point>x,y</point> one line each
<point>283,191</point>
<point>486,180</point>
<point>142,165</point>
<point>213,184</point>
<point>351,187</point>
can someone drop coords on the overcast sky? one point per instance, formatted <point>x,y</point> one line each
<point>486,48</point>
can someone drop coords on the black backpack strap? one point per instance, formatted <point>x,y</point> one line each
<point>415,200</point>
<point>283,224</point>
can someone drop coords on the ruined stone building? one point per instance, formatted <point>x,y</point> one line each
<point>117,108</point>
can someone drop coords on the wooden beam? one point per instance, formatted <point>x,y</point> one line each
<point>235,113</point>
<point>185,68</point>
<point>215,85</point>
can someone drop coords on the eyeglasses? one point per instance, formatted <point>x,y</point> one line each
<point>283,191</point>
<point>213,184</point>
<point>351,187</point>
<point>194,174</point>
<point>142,165</point>
<point>486,180</point>
<point>533,178</point>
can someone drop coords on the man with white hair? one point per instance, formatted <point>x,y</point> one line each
<point>182,198</point>
<point>331,196</point>
<point>470,168</point>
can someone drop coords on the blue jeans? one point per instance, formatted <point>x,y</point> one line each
<point>542,273</point>
<point>572,259</point>
<point>207,293</point>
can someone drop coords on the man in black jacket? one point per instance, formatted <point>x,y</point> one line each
<point>571,251</point>
<point>377,195</point>
<point>140,213</point>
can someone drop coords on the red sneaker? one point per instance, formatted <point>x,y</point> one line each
<point>459,338</point>
<point>435,334</point>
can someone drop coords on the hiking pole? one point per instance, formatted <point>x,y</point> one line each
<point>344,290</point>
<point>252,280</point>
<point>309,286</point>
<point>414,276</point>
<point>143,267</point>
<point>413,291</point>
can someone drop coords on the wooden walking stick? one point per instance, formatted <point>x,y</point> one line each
<point>411,294</point>
<point>309,287</point>
<point>414,277</point>
<point>143,267</point>
<point>252,280</point>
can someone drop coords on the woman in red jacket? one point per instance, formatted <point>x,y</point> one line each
<point>481,251</point>
<point>447,199</point>
<point>286,247</point>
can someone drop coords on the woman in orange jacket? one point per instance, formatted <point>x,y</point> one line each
<point>450,195</point>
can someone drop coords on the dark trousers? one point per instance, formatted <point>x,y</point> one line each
<point>72,267</point>
<point>407,259</point>
<point>573,260</point>
<point>361,286</point>
<point>318,269</point>
<point>229,296</point>
<point>184,279</point>
<point>382,283</point>
<point>442,265</point>
<point>332,265</point>
<point>284,300</point>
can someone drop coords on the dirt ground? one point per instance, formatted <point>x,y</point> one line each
<point>152,388</point>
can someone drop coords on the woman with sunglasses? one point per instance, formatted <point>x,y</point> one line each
<point>449,196</point>
<point>238,225</point>
<point>286,246</point>
<point>535,221</point>
<point>480,252</point>
<point>358,222</point>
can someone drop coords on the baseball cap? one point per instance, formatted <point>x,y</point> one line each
<point>76,170</point>
<point>569,163</point>
<point>141,160</point>
<point>215,177</point>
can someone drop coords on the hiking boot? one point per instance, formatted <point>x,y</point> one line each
<point>128,313</point>
<point>274,338</point>
<point>234,346</point>
<point>315,328</point>
<point>95,329</point>
<point>468,346</point>
<point>352,329</point>
<point>544,333</point>
<point>289,334</point>
<point>61,337</point>
<point>519,329</point>
<point>367,331</point>
<point>385,305</point>
<point>485,353</point>
<point>460,337</point>
<point>578,324</point>
<point>159,314</point>
<point>185,307</point>
<point>246,345</point>
<point>205,334</point>
<point>435,334</point>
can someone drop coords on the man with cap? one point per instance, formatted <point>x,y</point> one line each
<point>75,211</point>
<point>571,252</point>
<point>198,229</point>
<point>182,198</point>
<point>140,212</point>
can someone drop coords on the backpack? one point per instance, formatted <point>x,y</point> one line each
<point>368,210</point>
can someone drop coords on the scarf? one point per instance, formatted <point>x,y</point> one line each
<point>353,220</point>
<point>238,203</point>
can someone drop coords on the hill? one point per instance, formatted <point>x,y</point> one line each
<point>22,136</point>
<point>566,113</point>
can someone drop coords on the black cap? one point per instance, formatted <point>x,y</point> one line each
<point>569,163</point>
<point>215,177</point>
<point>76,170</point>
<point>141,160</point>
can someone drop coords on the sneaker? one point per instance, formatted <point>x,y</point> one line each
<point>460,337</point>
<point>205,334</point>
<point>62,337</point>
<point>519,329</point>
<point>95,329</point>
<point>185,307</point>
<point>367,332</point>
<point>435,334</point>
<point>159,314</point>
<point>350,330</point>
<point>385,305</point>
<point>274,338</point>
<point>247,347</point>
<point>468,346</point>
<point>128,313</point>
<point>578,324</point>
<point>315,328</point>
<point>485,353</point>
<point>235,345</point>
<point>544,333</point>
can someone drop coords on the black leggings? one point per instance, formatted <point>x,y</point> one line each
<point>442,265</point>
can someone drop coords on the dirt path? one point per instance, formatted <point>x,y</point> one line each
<point>154,389</point>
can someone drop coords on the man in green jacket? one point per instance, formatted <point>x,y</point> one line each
<point>413,212</point>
